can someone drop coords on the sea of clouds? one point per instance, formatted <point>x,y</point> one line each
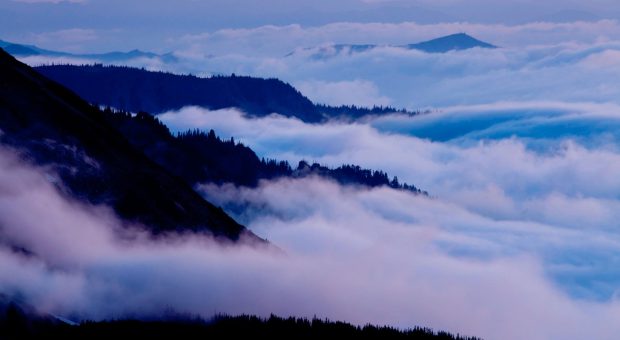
<point>518,239</point>
<point>523,182</point>
<point>380,256</point>
<point>574,62</point>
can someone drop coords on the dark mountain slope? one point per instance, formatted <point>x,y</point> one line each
<point>134,90</point>
<point>205,158</point>
<point>15,323</point>
<point>53,127</point>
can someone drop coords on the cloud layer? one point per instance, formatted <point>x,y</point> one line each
<point>503,162</point>
<point>519,239</point>
<point>379,256</point>
<point>166,20</point>
<point>569,62</point>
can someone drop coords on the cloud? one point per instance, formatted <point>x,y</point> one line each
<point>416,80</point>
<point>151,29</point>
<point>528,174</point>
<point>536,62</point>
<point>519,240</point>
<point>385,229</point>
<point>358,92</point>
<point>274,41</point>
<point>378,256</point>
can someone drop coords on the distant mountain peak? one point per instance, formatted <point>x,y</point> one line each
<point>452,42</point>
<point>22,50</point>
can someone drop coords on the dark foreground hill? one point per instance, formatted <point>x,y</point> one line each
<point>134,90</point>
<point>15,323</point>
<point>52,127</point>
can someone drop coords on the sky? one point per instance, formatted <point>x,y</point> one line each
<point>536,60</point>
<point>103,25</point>
<point>519,151</point>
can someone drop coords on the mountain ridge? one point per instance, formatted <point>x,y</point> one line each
<point>25,50</point>
<point>199,158</point>
<point>51,126</point>
<point>444,44</point>
<point>134,90</point>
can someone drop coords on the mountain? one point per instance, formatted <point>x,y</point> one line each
<point>20,51</point>
<point>454,42</point>
<point>199,157</point>
<point>52,127</point>
<point>28,50</point>
<point>135,90</point>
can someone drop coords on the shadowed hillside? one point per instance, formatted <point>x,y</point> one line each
<point>134,90</point>
<point>51,126</point>
<point>200,157</point>
<point>18,323</point>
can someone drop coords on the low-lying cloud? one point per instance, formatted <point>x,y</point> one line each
<point>357,92</point>
<point>570,62</point>
<point>519,239</point>
<point>351,254</point>
<point>561,185</point>
<point>535,62</point>
<point>273,40</point>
